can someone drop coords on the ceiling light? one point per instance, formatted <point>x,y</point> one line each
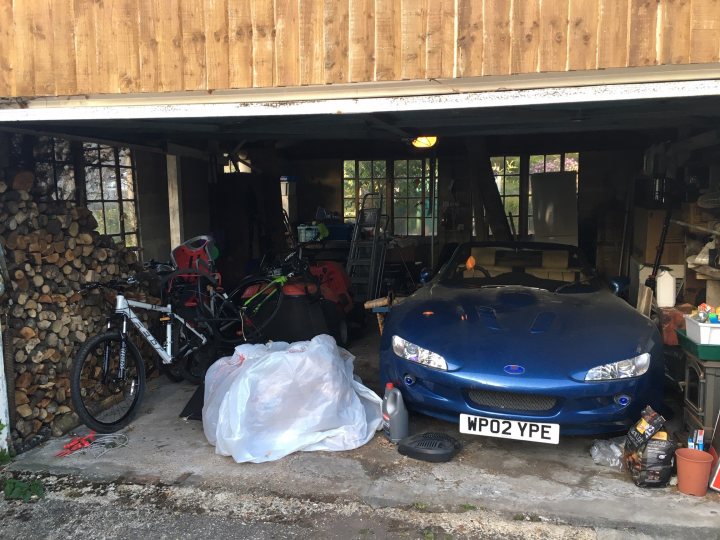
<point>424,141</point>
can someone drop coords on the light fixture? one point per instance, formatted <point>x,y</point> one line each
<point>424,141</point>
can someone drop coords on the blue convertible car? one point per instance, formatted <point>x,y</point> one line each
<point>521,340</point>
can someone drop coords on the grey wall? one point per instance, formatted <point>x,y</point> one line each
<point>319,183</point>
<point>153,205</point>
<point>195,197</point>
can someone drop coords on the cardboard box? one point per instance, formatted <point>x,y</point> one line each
<point>647,228</point>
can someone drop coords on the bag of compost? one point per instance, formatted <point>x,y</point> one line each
<point>652,465</point>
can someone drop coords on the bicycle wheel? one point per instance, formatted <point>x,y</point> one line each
<point>227,323</point>
<point>259,300</point>
<point>104,401</point>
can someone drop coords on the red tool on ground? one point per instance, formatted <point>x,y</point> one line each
<point>78,443</point>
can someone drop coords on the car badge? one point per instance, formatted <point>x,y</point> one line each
<point>514,369</point>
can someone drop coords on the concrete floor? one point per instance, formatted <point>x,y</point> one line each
<point>517,480</point>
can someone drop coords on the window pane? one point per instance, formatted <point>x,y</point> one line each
<point>379,169</point>
<point>92,183</point>
<point>44,180</point>
<point>365,169</point>
<point>62,150</point>
<point>400,227</point>
<point>572,161</point>
<point>107,155</point>
<point>537,164</point>
<point>401,187</point>
<point>131,240</point>
<point>414,227</point>
<point>109,184</point>
<point>349,169</point>
<point>498,165</point>
<point>515,224</point>
<point>124,157</point>
<point>416,187</point>
<point>415,208</point>
<point>365,187</point>
<point>415,167</point>
<point>97,212</point>
<point>91,153</point>
<point>349,188</point>
<point>512,185</point>
<point>129,216</point>
<point>552,163</point>
<point>349,208</point>
<point>428,227</point>
<point>512,205</point>
<point>112,218</point>
<point>127,185</point>
<point>400,207</point>
<point>401,168</point>
<point>380,186</point>
<point>512,165</point>
<point>65,181</point>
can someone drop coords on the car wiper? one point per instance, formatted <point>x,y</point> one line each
<point>576,282</point>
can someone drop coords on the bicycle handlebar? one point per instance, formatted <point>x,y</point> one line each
<point>117,285</point>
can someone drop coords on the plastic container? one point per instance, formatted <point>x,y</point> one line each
<point>693,470</point>
<point>308,233</point>
<point>702,333</point>
<point>394,414</point>
<point>665,289</point>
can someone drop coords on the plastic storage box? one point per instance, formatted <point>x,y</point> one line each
<point>702,333</point>
<point>308,233</point>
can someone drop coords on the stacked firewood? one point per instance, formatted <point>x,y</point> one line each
<point>51,249</point>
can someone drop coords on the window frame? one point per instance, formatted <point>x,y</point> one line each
<point>123,202</point>
<point>390,181</point>
<point>525,191</point>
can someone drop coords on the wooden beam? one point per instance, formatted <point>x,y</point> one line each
<point>175,200</point>
<point>479,161</point>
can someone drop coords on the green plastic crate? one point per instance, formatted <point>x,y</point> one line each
<point>702,352</point>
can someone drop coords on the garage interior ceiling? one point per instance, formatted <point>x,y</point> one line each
<point>641,121</point>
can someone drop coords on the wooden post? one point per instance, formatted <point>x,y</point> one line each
<point>175,200</point>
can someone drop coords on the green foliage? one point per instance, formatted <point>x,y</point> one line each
<point>17,489</point>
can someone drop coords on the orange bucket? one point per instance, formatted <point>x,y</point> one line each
<point>693,468</point>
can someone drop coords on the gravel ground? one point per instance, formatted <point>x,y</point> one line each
<point>128,510</point>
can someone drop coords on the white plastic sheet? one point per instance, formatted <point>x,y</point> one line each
<point>267,401</point>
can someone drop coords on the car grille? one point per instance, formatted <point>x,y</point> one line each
<point>512,400</point>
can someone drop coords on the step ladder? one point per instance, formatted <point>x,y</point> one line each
<point>368,247</point>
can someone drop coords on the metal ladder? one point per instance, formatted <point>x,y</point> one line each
<point>367,249</point>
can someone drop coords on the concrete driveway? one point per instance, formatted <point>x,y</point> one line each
<point>524,487</point>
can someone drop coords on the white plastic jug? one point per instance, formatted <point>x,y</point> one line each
<point>665,289</point>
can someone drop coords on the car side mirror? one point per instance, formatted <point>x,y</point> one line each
<point>619,285</point>
<point>425,276</point>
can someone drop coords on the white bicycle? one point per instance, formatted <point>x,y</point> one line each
<point>108,373</point>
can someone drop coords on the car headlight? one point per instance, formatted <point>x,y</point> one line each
<point>624,369</point>
<point>413,353</point>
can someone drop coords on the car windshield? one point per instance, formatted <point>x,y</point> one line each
<point>557,268</point>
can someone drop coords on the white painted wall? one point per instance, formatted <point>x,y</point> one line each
<point>4,413</point>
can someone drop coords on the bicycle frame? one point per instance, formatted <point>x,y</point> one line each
<point>123,307</point>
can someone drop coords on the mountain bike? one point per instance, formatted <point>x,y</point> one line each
<point>108,374</point>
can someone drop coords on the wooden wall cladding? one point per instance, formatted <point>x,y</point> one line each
<point>71,47</point>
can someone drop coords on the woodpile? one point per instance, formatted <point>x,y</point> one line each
<point>52,249</point>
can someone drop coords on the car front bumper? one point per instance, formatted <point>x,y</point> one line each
<point>581,408</point>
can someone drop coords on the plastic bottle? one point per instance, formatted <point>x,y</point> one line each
<point>665,289</point>
<point>395,415</point>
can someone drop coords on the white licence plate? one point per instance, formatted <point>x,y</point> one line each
<point>510,429</point>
